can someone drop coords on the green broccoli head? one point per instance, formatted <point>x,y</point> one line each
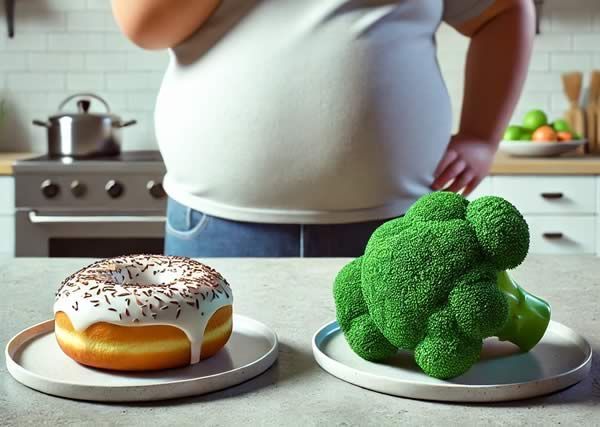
<point>430,283</point>
<point>501,231</point>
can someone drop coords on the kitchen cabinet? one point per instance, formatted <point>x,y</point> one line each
<point>563,211</point>
<point>7,215</point>
<point>549,195</point>
<point>551,234</point>
<point>485,187</point>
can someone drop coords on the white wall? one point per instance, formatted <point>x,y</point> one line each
<point>569,41</point>
<point>64,46</point>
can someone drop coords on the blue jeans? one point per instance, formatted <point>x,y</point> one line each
<point>195,234</point>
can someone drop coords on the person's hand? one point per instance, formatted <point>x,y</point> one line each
<point>464,165</point>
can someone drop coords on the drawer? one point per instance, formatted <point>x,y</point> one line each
<point>549,195</point>
<point>7,195</point>
<point>562,235</point>
<point>484,189</point>
<point>7,235</point>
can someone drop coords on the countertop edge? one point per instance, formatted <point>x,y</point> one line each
<point>7,160</point>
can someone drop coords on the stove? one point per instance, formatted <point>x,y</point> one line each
<point>97,207</point>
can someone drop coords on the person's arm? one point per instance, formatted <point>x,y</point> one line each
<point>159,24</point>
<point>497,62</point>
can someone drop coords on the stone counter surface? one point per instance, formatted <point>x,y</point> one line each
<point>293,296</point>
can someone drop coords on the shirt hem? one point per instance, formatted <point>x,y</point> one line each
<point>285,216</point>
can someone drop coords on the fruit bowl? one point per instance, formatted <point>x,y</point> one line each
<point>539,148</point>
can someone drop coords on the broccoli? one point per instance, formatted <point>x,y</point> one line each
<point>434,282</point>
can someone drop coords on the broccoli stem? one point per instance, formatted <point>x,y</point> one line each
<point>529,315</point>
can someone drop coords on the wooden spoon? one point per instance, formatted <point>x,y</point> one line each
<point>594,109</point>
<point>572,83</point>
<point>592,112</point>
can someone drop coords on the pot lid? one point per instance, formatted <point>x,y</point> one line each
<point>83,105</point>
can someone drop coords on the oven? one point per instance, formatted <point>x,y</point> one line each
<point>90,208</point>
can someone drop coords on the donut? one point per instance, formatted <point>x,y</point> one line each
<point>143,313</point>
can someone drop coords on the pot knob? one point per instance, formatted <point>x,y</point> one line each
<point>155,189</point>
<point>78,189</point>
<point>49,189</point>
<point>114,188</point>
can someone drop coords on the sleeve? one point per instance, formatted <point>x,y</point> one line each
<point>457,12</point>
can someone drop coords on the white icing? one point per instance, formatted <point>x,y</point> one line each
<point>142,290</point>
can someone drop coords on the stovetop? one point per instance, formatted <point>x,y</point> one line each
<point>127,161</point>
<point>125,156</point>
<point>131,180</point>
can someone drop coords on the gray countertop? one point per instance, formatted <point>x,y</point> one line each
<point>293,296</point>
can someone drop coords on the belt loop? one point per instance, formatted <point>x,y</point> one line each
<point>188,218</point>
<point>301,240</point>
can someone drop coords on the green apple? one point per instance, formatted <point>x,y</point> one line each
<point>526,135</point>
<point>561,125</point>
<point>513,133</point>
<point>535,119</point>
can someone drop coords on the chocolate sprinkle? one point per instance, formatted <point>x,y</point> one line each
<point>116,280</point>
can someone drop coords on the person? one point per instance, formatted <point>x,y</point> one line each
<point>295,128</point>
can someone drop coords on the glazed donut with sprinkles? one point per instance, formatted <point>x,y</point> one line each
<point>143,312</point>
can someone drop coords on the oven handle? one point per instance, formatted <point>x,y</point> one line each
<point>34,218</point>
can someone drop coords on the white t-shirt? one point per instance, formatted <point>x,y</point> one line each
<point>308,111</point>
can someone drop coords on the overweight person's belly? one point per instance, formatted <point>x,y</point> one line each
<point>322,129</point>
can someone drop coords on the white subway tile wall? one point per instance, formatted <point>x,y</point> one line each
<point>66,46</point>
<point>569,41</point>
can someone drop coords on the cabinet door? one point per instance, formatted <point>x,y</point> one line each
<point>7,235</point>
<point>555,195</point>
<point>7,195</point>
<point>562,234</point>
<point>484,189</point>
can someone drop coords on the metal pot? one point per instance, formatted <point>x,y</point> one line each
<point>83,134</point>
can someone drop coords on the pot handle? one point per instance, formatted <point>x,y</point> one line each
<point>83,95</point>
<point>124,124</point>
<point>41,123</point>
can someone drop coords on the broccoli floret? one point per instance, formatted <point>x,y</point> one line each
<point>446,352</point>
<point>353,315</point>
<point>433,282</point>
<point>501,230</point>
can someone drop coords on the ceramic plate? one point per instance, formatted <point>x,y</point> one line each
<point>539,149</point>
<point>34,358</point>
<point>561,359</point>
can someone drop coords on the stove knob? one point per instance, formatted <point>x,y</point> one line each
<point>155,189</point>
<point>78,189</point>
<point>114,188</point>
<point>49,189</point>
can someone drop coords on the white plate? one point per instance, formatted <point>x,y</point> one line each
<point>539,149</point>
<point>561,359</point>
<point>34,358</point>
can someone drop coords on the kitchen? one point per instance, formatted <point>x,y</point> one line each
<point>55,212</point>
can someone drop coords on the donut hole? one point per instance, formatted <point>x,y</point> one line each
<point>144,276</point>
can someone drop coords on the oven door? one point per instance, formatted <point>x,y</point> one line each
<point>88,234</point>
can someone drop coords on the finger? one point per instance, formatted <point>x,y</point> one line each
<point>461,181</point>
<point>471,186</point>
<point>449,157</point>
<point>451,172</point>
